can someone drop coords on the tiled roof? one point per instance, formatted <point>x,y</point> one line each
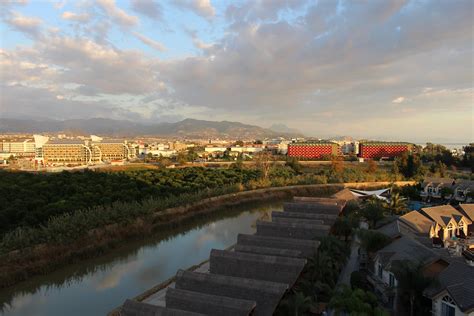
<point>391,229</point>
<point>468,210</point>
<point>345,194</point>
<point>437,181</point>
<point>405,248</point>
<point>417,221</point>
<point>442,214</point>
<point>465,184</point>
<point>458,280</point>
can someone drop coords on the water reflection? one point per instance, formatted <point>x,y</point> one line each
<point>96,286</point>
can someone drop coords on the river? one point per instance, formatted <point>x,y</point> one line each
<point>96,286</point>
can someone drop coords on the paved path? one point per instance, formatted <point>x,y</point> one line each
<point>351,265</point>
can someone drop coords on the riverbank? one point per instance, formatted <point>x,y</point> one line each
<point>21,265</point>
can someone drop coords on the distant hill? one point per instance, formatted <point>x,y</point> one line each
<point>282,128</point>
<point>188,128</point>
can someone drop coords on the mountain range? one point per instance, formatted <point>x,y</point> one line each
<point>188,128</point>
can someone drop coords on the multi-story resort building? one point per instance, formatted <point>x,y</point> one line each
<point>383,149</point>
<point>66,152</point>
<point>20,147</point>
<point>313,149</point>
<point>110,150</point>
<point>78,152</point>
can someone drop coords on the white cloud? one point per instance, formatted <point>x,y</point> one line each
<point>148,41</point>
<point>148,8</point>
<point>77,17</point>
<point>202,8</point>
<point>398,100</point>
<point>28,25</point>
<point>118,15</point>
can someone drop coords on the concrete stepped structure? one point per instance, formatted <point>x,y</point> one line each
<point>307,247</point>
<point>208,304</point>
<point>328,219</point>
<point>269,251</point>
<point>292,230</point>
<point>266,294</point>
<point>255,266</point>
<point>134,308</point>
<point>320,200</point>
<point>289,220</point>
<point>315,208</point>
<point>253,277</point>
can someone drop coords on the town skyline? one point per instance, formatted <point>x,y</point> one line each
<point>379,70</point>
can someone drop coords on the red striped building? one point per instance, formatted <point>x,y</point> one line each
<point>313,150</point>
<point>383,149</point>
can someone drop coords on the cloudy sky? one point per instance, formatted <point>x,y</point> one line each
<point>399,70</point>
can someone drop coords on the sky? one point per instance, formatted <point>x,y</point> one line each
<point>379,69</point>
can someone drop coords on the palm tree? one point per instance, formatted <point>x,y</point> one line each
<point>355,301</point>
<point>343,227</point>
<point>296,304</point>
<point>411,283</point>
<point>397,204</point>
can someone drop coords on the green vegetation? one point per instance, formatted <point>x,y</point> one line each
<point>30,200</point>
<point>373,210</point>
<point>355,302</point>
<point>318,278</point>
<point>372,240</point>
<point>411,284</point>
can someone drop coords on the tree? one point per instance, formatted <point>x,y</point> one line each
<point>296,304</point>
<point>357,280</point>
<point>395,170</point>
<point>355,302</point>
<point>182,158</point>
<point>373,210</point>
<point>294,164</point>
<point>411,282</point>
<point>371,166</point>
<point>397,204</point>
<point>239,143</point>
<point>439,168</point>
<point>337,164</point>
<point>372,241</point>
<point>263,162</point>
<point>343,227</point>
<point>446,192</point>
<point>192,155</point>
<point>468,157</point>
<point>410,165</point>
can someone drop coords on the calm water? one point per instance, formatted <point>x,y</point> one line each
<point>96,286</point>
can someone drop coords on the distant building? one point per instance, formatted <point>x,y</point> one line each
<point>447,188</point>
<point>110,150</point>
<point>66,152</point>
<point>383,149</point>
<point>213,149</point>
<point>313,150</point>
<point>18,147</point>
<point>177,146</point>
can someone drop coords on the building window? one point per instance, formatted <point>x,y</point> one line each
<point>391,280</point>
<point>448,306</point>
<point>450,229</point>
<point>380,271</point>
